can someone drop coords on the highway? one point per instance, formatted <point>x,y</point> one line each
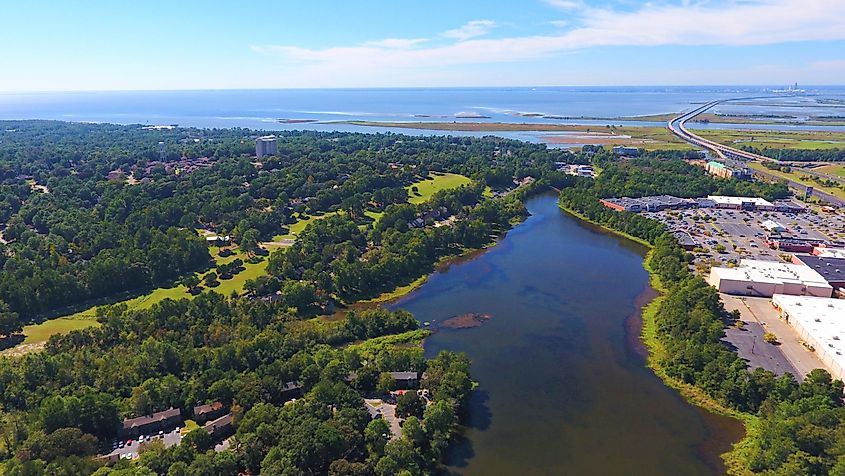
<point>729,154</point>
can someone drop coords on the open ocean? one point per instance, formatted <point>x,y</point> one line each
<point>263,109</point>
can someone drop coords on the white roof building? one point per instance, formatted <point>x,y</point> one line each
<point>767,278</point>
<point>824,252</point>
<point>774,226</point>
<point>738,202</point>
<point>820,323</point>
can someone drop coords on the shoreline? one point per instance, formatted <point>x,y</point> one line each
<point>733,459</point>
<point>399,293</point>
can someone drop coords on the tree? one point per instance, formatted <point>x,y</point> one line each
<point>249,241</point>
<point>9,322</point>
<point>410,404</point>
<point>387,466</point>
<point>376,435</point>
<point>386,383</point>
<point>211,279</point>
<point>191,281</point>
<point>198,439</point>
<point>413,431</point>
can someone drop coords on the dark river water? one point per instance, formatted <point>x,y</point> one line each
<point>563,386</point>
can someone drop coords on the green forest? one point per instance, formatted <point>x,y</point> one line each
<point>91,212</point>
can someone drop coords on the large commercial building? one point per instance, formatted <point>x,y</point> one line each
<point>831,269</point>
<point>719,169</point>
<point>649,204</point>
<point>826,252</point>
<point>767,278</point>
<point>820,323</point>
<point>265,146</point>
<point>742,203</point>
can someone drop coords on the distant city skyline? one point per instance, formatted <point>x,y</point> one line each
<point>153,45</point>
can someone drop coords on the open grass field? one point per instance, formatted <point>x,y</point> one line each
<point>806,140</point>
<point>427,188</point>
<point>226,287</point>
<point>38,333</point>
<point>296,228</point>
<point>800,178</point>
<point>833,169</point>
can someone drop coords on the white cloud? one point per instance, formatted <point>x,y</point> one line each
<point>567,4</point>
<point>559,23</point>
<point>396,43</point>
<point>472,29</point>
<point>739,22</point>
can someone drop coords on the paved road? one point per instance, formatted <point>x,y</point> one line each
<point>801,187</point>
<point>678,127</point>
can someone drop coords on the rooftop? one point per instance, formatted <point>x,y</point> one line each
<point>830,252</point>
<point>155,417</point>
<point>211,407</point>
<point>757,201</point>
<point>771,272</point>
<point>821,318</point>
<point>832,269</point>
<point>404,375</point>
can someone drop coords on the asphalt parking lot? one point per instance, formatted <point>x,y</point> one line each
<point>788,355</point>
<point>730,235</point>
<point>130,450</point>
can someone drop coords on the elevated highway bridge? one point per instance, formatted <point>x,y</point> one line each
<point>729,154</point>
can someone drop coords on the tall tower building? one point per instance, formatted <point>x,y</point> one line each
<point>265,146</point>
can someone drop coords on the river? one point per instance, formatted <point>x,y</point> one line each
<point>563,386</point>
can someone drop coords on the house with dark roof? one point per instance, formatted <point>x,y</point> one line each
<point>290,390</point>
<point>405,380</point>
<point>210,411</point>
<point>148,424</point>
<point>220,428</point>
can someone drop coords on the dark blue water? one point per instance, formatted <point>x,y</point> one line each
<point>261,109</point>
<point>562,387</point>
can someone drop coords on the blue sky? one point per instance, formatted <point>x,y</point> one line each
<point>152,44</point>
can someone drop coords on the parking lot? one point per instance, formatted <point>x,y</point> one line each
<point>129,449</point>
<point>727,236</point>
<point>788,355</point>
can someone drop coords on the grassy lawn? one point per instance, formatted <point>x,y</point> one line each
<point>300,225</point>
<point>37,333</point>
<point>838,170</point>
<point>190,425</point>
<point>427,188</point>
<point>226,287</point>
<point>805,140</point>
<point>797,177</point>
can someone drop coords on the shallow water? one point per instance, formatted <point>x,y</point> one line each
<point>563,383</point>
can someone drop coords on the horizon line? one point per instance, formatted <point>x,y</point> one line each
<point>364,88</point>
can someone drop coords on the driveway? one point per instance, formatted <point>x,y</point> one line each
<point>388,412</point>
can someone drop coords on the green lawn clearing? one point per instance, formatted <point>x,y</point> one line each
<point>427,188</point>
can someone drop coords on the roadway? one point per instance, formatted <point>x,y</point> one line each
<point>678,127</point>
